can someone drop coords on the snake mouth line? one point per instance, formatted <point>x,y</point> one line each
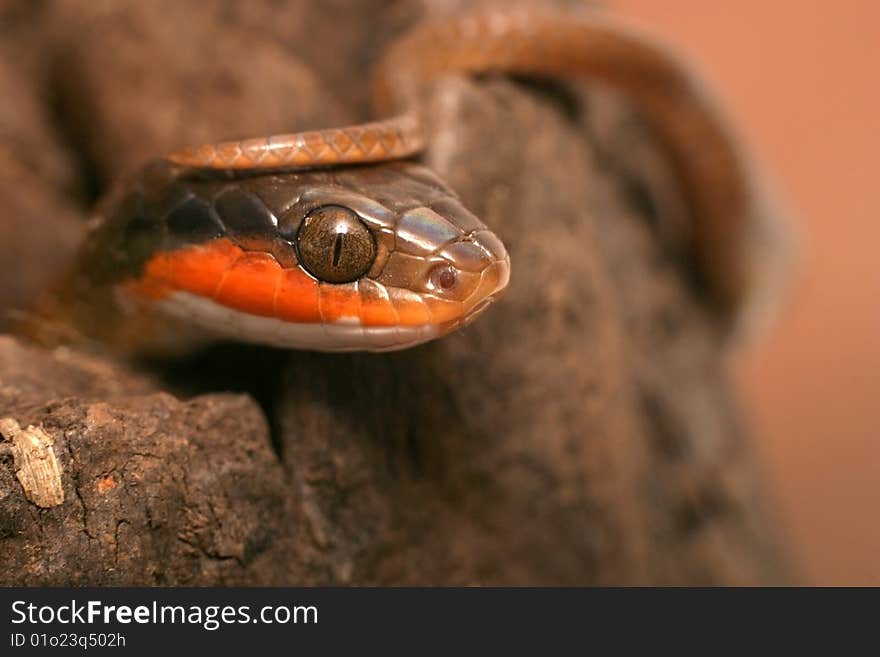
<point>478,309</point>
<point>229,323</point>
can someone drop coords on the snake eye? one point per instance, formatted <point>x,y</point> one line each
<point>334,245</point>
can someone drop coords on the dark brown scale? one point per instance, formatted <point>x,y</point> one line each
<point>136,238</point>
<point>399,186</point>
<point>453,210</point>
<point>193,221</point>
<point>138,230</point>
<point>161,200</point>
<point>243,213</point>
<point>279,190</point>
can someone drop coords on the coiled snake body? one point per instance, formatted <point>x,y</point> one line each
<point>326,240</point>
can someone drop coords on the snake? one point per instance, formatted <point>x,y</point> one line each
<point>339,240</point>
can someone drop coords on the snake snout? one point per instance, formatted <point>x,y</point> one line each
<point>491,278</point>
<point>497,274</point>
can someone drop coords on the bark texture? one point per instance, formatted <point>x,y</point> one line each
<point>582,432</point>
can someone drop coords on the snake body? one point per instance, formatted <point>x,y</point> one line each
<point>396,259</point>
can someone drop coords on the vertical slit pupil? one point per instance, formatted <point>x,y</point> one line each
<point>337,249</point>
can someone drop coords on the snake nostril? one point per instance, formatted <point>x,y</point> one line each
<point>443,277</point>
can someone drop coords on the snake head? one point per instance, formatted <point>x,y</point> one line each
<point>365,258</point>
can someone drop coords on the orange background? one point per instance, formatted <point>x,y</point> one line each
<point>802,79</point>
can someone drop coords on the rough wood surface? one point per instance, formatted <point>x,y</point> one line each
<point>582,432</point>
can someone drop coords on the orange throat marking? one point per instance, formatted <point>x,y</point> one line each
<point>255,283</point>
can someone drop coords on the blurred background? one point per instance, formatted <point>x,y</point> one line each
<point>801,78</point>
